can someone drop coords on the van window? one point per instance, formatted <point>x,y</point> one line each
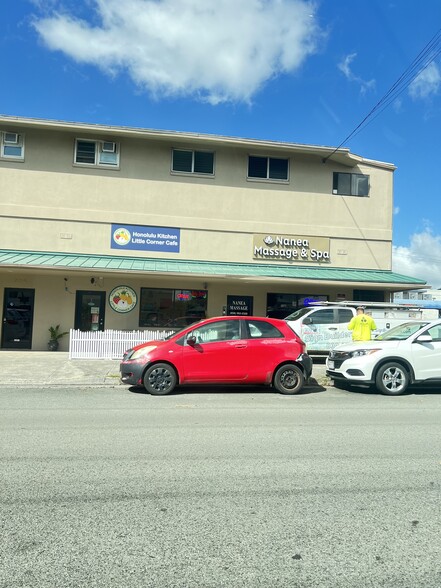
<point>344,315</point>
<point>323,317</point>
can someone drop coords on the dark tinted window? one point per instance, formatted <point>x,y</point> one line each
<point>350,184</point>
<point>164,307</point>
<point>344,315</point>
<point>199,162</point>
<point>323,317</point>
<point>268,168</point>
<point>278,169</point>
<point>85,152</point>
<point>182,160</point>
<point>257,167</point>
<point>203,162</point>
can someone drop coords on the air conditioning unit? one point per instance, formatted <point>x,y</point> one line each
<point>11,138</point>
<point>108,147</point>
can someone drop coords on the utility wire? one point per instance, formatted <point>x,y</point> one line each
<point>426,56</point>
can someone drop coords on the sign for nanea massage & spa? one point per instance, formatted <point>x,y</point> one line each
<point>291,248</point>
<point>144,238</point>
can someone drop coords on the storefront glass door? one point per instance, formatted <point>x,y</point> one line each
<point>18,317</point>
<point>89,310</point>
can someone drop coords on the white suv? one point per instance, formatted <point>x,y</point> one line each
<point>407,354</point>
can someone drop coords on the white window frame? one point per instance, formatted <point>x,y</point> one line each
<point>100,147</point>
<point>4,144</point>
<point>268,179</point>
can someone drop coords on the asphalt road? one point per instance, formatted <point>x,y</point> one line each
<point>108,487</point>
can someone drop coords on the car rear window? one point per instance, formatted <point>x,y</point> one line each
<point>263,330</point>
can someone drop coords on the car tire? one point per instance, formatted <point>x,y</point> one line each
<point>160,379</point>
<point>392,379</point>
<point>289,379</point>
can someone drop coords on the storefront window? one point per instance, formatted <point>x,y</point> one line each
<point>281,305</point>
<point>163,307</point>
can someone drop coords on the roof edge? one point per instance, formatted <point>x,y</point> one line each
<point>340,155</point>
<point>84,261</point>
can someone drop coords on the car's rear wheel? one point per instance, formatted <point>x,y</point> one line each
<point>160,379</point>
<point>289,379</point>
<point>392,379</point>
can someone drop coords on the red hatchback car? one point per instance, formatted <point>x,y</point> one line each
<point>222,350</point>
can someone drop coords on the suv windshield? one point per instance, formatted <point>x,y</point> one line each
<point>401,332</point>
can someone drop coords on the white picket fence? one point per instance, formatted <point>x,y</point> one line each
<point>108,344</point>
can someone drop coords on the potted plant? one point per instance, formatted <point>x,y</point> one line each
<point>55,336</point>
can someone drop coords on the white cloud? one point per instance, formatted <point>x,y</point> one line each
<point>218,51</point>
<point>427,83</point>
<point>422,259</point>
<point>345,67</point>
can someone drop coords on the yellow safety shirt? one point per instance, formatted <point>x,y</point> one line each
<point>361,326</point>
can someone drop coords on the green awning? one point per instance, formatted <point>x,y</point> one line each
<point>34,259</point>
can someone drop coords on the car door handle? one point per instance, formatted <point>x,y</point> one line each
<point>240,346</point>
<point>332,328</point>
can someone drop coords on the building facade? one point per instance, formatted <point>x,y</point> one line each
<point>124,228</point>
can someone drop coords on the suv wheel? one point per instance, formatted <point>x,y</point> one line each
<point>392,379</point>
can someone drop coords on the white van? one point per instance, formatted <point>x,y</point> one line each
<point>324,325</point>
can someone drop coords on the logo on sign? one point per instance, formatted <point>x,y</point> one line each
<point>122,299</point>
<point>121,236</point>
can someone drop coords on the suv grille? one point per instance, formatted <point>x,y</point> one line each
<point>338,357</point>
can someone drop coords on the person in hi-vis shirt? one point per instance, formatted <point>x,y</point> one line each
<point>361,326</point>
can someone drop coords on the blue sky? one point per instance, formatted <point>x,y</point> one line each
<point>285,70</point>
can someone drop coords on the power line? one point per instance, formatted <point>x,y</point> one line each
<point>426,56</point>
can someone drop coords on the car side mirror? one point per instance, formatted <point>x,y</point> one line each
<point>424,339</point>
<point>191,340</point>
<point>307,321</point>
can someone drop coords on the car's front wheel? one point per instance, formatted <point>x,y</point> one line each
<point>392,379</point>
<point>160,379</point>
<point>289,379</point>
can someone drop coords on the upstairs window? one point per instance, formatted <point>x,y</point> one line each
<point>350,184</point>
<point>12,145</point>
<point>193,162</point>
<point>267,168</point>
<point>97,153</point>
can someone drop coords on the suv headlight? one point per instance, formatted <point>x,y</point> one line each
<point>362,352</point>
<point>142,352</point>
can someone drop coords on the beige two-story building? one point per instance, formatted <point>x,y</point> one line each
<point>105,227</point>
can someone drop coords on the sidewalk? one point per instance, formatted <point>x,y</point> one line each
<point>36,369</point>
<point>30,369</point>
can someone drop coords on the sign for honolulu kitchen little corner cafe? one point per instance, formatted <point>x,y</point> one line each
<point>291,248</point>
<point>145,238</point>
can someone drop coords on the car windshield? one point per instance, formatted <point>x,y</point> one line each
<point>298,314</point>
<point>180,330</point>
<point>401,332</point>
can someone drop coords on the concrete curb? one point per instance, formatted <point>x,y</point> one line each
<point>40,369</point>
